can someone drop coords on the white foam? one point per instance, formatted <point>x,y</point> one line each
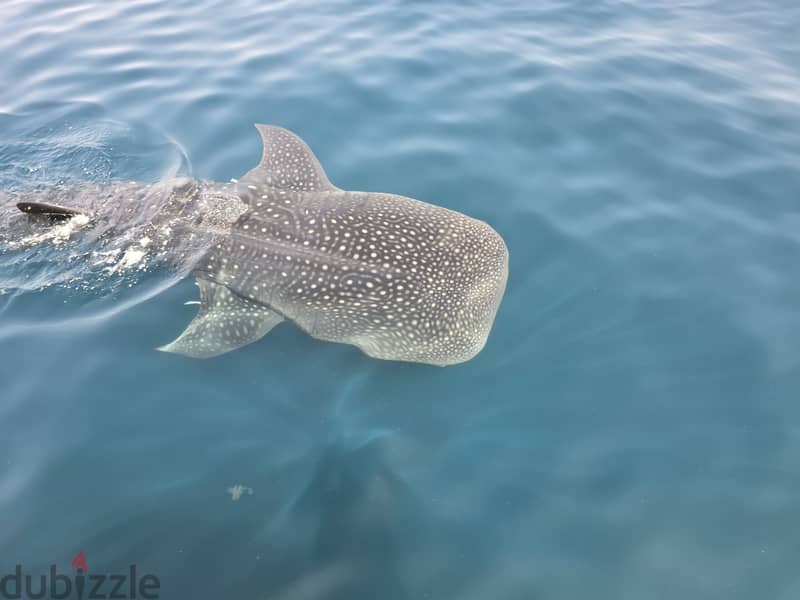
<point>132,257</point>
<point>57,234</point>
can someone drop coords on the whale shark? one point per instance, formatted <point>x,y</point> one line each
<point>398,278</point>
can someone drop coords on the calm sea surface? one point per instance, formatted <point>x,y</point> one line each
<point>630,431</point>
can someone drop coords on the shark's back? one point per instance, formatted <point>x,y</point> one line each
<point>399,278</point>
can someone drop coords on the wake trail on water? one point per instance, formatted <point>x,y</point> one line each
<point>63,150</point>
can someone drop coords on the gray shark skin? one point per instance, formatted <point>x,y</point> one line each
<point>398,278</point>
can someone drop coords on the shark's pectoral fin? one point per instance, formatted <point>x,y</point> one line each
<point>224,322</point>
<point>287,163</point>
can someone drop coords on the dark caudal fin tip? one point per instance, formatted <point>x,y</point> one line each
<point>51,211</point>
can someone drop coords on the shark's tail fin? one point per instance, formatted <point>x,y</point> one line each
<point>50,211</point>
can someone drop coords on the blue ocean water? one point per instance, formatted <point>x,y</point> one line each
<point>631,429</point>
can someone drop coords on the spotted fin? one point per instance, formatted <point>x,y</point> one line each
<point>225,321</point>
<point>287,163</point>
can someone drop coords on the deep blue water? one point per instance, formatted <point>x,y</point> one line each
<point>630,431</point>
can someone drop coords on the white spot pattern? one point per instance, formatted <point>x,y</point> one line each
<point>399,278</point>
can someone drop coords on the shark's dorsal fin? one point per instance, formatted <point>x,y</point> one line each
<point>287,163</point>
<point>225,321</point>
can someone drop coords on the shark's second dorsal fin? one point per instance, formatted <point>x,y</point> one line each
<point>287,163</point>
<point>51,211</point>
<point>225,321</point>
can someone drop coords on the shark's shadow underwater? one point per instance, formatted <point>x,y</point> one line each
<point>399,278</point>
